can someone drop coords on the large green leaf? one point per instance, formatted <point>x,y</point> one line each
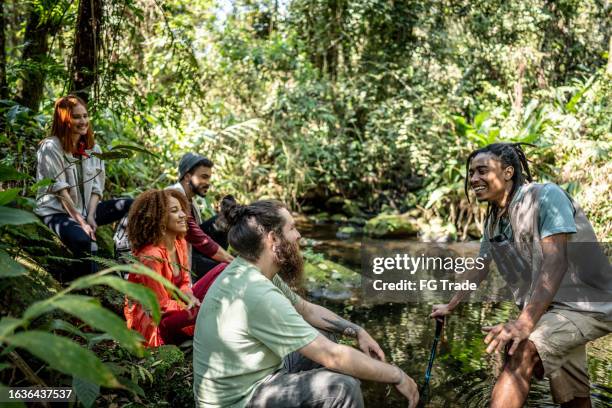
<point>571,105</point>
<point>91,312</point>
<point>102,278</point>
<point>46,182</point>
<point>8,173</point>
<point>38,308</point>
<point>142,294</point>
<point>15,216</point>
<point>10,267</point>
<point>8,195</point>
<point>8,325</point>
<point>65,356</point>
<point>59,324</point>
<point>480,119</point>
<point>86,391</point>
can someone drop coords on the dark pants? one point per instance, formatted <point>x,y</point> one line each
<point>177,327</point>
<point>303,383</point>
<point>75,238</point>
<point>201,264</point>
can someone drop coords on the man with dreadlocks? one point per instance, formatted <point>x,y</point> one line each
<point>563,288</point>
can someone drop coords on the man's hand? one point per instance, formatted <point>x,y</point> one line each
<point>408,388</point>
<point>222,256</point>
<point>440,311</point>
<point>369,346</point>
<point>514,331</point>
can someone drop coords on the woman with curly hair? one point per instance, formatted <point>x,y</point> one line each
<point>156,229</point>
<point>71,205</point>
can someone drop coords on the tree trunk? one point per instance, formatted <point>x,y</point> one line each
<point>34,53</point>
<point>333,39</point>
<point>84,68</point>
<point>3,85</point>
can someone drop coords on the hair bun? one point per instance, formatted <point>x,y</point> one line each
<point>232,211</point>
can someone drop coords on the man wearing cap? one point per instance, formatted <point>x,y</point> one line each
<point>195,172</point>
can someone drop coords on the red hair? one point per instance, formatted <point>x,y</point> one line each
<point>62,123</point>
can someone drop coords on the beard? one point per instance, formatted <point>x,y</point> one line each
<point>291,264</point>
<point>198,190</point>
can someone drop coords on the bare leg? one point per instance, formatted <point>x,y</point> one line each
<point>512,385</point>
<point>578,402</point>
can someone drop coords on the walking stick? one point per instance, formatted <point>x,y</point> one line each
<point>424,397</point>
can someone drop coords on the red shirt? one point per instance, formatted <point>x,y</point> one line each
<point>199,240</point>
<point>157,258</point>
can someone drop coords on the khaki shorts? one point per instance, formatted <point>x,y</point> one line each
<point>560,338</point>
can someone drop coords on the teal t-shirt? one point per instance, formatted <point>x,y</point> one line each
<point>245,326</point>
<point>555,215</point>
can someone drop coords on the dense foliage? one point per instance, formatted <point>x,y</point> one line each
<point>373,104</point>
<point>376,101</point>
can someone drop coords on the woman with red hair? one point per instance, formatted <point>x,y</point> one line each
<point>156,230</point>
<point>71,205</point>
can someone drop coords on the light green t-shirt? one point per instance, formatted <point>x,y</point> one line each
<point>245,326</point>
<point>555,216</point>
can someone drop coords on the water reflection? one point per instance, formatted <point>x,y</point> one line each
<point>463,374</point>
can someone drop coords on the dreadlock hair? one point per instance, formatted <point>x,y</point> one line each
<point>248,224</point>
<point>509,154</point>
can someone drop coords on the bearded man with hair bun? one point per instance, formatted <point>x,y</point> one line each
<point>259,344</point>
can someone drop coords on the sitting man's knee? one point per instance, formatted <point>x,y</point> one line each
<point>349,388</point>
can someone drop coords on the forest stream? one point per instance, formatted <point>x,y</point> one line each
<point>463,374</point>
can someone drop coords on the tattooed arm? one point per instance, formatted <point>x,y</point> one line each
<point>325,319</point>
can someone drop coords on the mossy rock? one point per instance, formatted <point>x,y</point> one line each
<point>319,218</point>
<point>348,232</point>
<point>335,203</point>
<point>329,277</point>
<point>339,204</point>
<point>43,245</point>
<point>307,209</point>
<point>110,298</point>
<point>351,208</point>
<point>340,218</point>
<point>391,225</point>
<point>359,221</point>
<point>106,245</point>
<point>19,292</point>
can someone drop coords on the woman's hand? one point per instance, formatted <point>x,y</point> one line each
<point>91,220</point>
<point>91,232</point>
<point>193,301</point>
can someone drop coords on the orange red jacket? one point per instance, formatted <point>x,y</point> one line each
<point>157,258</point>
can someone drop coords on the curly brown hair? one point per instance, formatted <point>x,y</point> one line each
<point>148,216</point>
